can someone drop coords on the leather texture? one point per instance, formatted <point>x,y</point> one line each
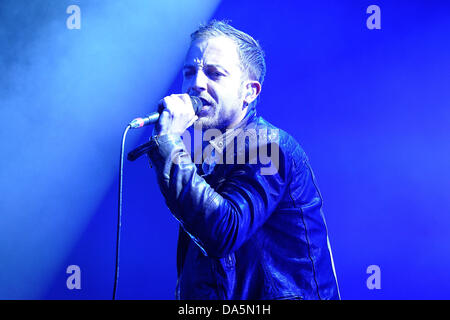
<point>245,234</point>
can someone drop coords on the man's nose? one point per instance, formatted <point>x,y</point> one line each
<point>199,82</point>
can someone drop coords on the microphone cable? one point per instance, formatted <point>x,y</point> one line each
<point>197,104</point>
<point>119,216</point>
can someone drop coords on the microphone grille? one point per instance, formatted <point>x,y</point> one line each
<point>197,104</point>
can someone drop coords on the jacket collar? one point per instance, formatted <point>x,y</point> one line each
<point>220,143</point>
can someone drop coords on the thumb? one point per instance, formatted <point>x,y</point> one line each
<point>192,121</point>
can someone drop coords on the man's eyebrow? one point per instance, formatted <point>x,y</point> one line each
<point>217,66</point>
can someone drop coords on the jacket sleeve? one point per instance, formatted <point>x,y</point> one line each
<point>218,221</point>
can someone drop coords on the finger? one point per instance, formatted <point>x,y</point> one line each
<point>192,121</point>
<point>183,96</point>
<point>186,100</point>
<point>162,104</point>
<point>165,117</point>
<point>171,105</point>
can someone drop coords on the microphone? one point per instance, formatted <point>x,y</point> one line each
<point>153,117</point>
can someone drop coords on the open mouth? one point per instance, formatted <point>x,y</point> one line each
<point>205,102</point>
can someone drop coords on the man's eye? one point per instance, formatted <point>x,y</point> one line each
<point>188,74</point>
<point>215,74</point>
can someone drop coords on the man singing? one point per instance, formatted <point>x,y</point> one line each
<point>251,225</point>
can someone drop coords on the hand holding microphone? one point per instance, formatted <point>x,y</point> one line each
<point>176,113</point>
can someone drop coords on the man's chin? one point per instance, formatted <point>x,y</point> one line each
<point>206,123</point>
<point>203,122</point>
<point>206,118</point>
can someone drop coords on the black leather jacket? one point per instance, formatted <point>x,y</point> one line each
<point>246,234</point>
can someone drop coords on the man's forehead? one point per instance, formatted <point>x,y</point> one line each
<point>213,51</point>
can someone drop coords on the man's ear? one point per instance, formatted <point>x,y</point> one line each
<point>253,89</point>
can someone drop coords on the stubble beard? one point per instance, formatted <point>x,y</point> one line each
<point>216,118</point>
<point>207,121</point>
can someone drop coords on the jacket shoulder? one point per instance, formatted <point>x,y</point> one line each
<point>287,144</point>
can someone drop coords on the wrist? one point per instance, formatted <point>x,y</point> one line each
<point>159,132</point>
<point>163,132</point>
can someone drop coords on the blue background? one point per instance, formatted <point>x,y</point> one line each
<point>370,107</point>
